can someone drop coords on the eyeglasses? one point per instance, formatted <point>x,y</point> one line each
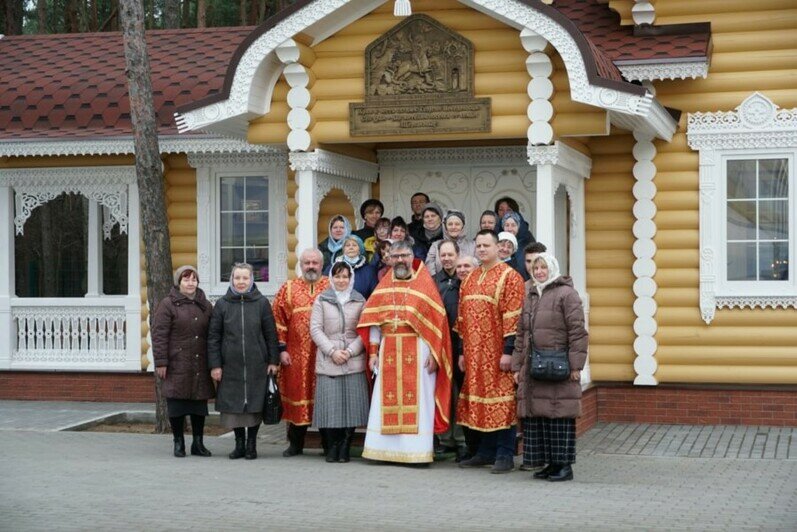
<point>401,255</point>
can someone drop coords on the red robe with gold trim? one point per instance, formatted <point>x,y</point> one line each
<point>292,307</point>
<point>490,302</point>
<point>405,310</point>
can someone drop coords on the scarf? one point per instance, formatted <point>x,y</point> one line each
<point>344,295</point>
<point>250,288</point>
<point>553,272</point>
<point>336,245</point>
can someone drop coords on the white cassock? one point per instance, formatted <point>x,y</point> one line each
<point>404,448</point>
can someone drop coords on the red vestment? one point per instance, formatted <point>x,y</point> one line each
<point>406,310</point>
<point>490,302</point>
<point>292,307</point>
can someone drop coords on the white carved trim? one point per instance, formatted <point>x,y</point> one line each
<point>258,68</point>
<point>759,128</point>
<point>124,146</point>
<point>645,325</point>
<point>440,156</point>
<point>540,88</point>
<point>756,123</point>
<point>107,185</point>
<point>334,164</point>
<point>644,71</point>
<point>643,12</point>
<point>239,160</point>
<point>561,155</point>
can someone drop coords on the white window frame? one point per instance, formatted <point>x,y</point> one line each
<point>210,169</point>
<point>757,129</point>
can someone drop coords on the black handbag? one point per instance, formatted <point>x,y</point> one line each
<point>551,365</point>
<point>272,406</point>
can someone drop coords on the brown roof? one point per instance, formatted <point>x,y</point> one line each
<point>74,85</point>
<point>601,26</point>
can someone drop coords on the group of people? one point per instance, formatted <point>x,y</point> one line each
<point>414,331</point>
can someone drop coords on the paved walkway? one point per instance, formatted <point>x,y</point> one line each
<point>627,477</point>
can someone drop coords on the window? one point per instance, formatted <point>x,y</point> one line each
<point>757,219</point>
<point>747,205</point>
<point>241,217</point>
<point>243,225</point>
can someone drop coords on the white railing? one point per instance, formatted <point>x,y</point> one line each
<point>71,333</point>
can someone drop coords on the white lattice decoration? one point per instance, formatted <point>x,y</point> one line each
<point>71,336</point>
<point>757,127</point>
<point>662,71</point>
<point>756,123</point>
<point>645,325</point>
<point>334,164</point>
<point>107,185</point>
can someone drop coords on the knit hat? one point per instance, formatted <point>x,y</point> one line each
<point>433,207</point>
<point>508,237</point>
<point>455,214</point>
<point>180,271</point>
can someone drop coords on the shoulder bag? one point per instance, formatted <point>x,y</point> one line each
<point>272,406</point>
<point>551,365</point>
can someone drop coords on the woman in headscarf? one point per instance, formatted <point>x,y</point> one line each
<point>453,229</point>
<point>179,347</point>
<point>341,394</point>
<point>331,247</point>
<point>242,349</point>
<point>366,274</point>
<point>431,231</point>
<point>553,319</point>
<point>512,222</point>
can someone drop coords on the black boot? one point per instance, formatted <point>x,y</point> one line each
<point>345,447</point>
<point>198,447</point>
<point>240,444</point>
<point>563,473</point>
<point>296,436</point>
<point>335,442</point>
<point>324,441</point>
<point>545,472</point>
<point>251,442</point>
<point>179,447</point>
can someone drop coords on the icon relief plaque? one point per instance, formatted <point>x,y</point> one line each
<point>419,79</point>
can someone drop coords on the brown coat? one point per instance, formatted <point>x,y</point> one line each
<point>559,323</point>
<point>179,342</point>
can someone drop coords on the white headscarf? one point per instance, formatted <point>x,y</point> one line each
<point>553,271</point>
<point>344,295</point>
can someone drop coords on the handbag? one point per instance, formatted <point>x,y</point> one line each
<point>272,405</point>
<point>551,365</point>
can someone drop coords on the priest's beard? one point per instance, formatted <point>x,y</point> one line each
<point>401,271</point>
<point>311,275</point>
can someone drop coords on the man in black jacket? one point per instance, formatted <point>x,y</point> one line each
<point>448,286</point>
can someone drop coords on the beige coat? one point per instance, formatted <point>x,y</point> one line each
<point>334,327</point>
<point>559,324</point>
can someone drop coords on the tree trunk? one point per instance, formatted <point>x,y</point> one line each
<point>73,16</point>
<point>243,13</point>
<point>41,16</point>
<point>94,23</point>
<point>154,224</point>
<point>201,14</point>
<point>186,14</point>
<point>13,21</point>
<point>171,14</point>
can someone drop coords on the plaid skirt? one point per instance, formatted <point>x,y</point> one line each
<point>341,401</point>
<point>549,441</point>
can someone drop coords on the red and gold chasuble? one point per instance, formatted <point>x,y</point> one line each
<point>292,307</point>
<point>490,302</point>
<point>406,310</point>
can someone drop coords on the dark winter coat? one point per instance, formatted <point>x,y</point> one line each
<point>448,286</point>
<point>180,343</point>
<point>559,323</point>
<point>242,341</point>
<point>366,277</point>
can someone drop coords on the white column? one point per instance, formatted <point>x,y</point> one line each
<point>546,212</point>
<point>133,300</point>
<point>8,333</point>
<point>306,212</point>
<point>645,325</point>
<point>94,270</point>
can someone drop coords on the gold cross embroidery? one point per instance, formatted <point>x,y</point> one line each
<point>409,395</point>
<point>390,396</point>
<point>408,359</point>
<point>389,360</point>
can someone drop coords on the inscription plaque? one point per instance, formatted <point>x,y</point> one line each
<point>419,79</point>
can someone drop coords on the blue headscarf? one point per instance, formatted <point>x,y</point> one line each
<point>360,258</point>
<point>515,216</point>
<point>336,245</point>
